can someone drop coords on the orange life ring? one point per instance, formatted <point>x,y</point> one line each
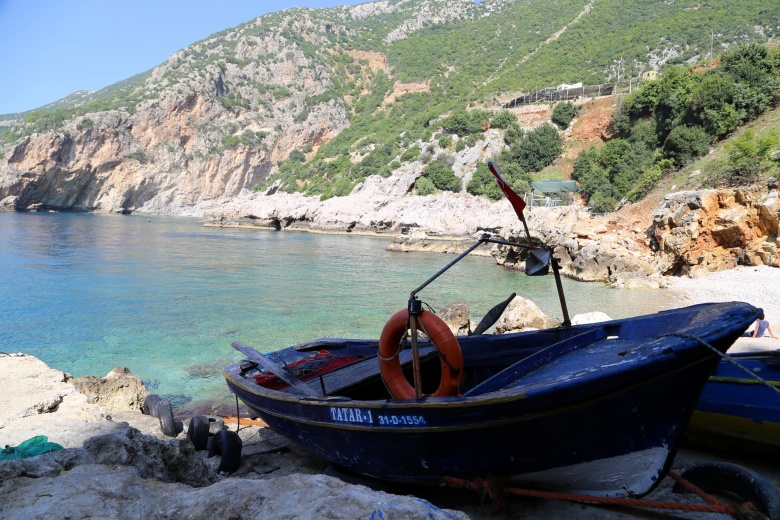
<point>440,334</point>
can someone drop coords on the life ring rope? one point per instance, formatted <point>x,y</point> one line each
<point>442,355</point>
<point>397,352</point>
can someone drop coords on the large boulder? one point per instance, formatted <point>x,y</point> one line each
<point>456,316</point>
<point>590,317</point>
<point>119,390</point>
<point>523,314</point>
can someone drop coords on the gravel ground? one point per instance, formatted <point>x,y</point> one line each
<point>758,286</point>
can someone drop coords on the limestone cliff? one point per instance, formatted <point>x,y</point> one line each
<point>213,120</point>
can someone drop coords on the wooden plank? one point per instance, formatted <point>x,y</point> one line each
<point>265,363</point>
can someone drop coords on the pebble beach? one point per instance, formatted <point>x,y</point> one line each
<point>756,285</point>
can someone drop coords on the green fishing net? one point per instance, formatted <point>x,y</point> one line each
<point>29,448</point>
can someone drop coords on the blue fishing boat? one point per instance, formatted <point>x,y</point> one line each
<point>593,409</point>
<point>737,412</point>
<point>596,409</point>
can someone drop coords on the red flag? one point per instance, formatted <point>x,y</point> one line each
<point>517,202</point>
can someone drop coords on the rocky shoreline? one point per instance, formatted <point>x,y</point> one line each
<point>117,463</point>
<point>685,233</point>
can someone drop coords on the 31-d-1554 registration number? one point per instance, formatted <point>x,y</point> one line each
<point>358,416</point>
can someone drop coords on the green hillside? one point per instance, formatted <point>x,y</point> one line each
<point>466,56</point>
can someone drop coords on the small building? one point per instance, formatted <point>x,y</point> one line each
<point>552,193</point>
<point>650,75</point>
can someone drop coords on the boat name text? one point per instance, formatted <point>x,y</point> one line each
<point>358,416</point>
<point>351,415</point>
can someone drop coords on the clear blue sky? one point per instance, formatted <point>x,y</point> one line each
<point>52,48</point>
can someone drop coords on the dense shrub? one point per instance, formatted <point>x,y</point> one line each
<point>503,119</point>
<point>423,186</point>
<point>484,184</point>
<point>748,157</point>
<point>445,141</point>
<point>594,181</point>
<point>686,143</point>
<point>538,148</point>
<point>442,176</point>
<point>297,156</point>
<point>712,105</point>
<point>649,178</point>
<point>563,113</point>
<point>755,71</point>
<point>463,122</point>
<point>458,122</point>
<point>411,154</point>
<point>513,134</point>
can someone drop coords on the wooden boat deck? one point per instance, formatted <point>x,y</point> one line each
<point>358,373</point>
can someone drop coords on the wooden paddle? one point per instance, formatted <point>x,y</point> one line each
<point>280,372</point>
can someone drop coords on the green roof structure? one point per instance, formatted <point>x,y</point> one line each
<point>555,186</point>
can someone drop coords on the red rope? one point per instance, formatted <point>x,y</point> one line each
<point>495,489</point>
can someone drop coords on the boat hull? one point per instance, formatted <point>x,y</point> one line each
<point>737,412</point>
<point>603,418</point>
<point>601,446</point>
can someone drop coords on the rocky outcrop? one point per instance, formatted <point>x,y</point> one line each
<point>697,232</point>
<point>523,314</point>
<point>38,400</point>
<point>104,491</point>
<point>119,390</point>
<point>156,161</point>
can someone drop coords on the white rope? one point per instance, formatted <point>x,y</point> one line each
<point>728,358</point>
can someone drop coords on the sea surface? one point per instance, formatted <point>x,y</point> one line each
<point>165,296</point>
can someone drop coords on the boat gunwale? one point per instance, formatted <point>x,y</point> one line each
<point>475,401</point>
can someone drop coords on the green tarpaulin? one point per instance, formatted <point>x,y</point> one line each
<point>555,186</point>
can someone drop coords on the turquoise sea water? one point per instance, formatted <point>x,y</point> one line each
<point>165,296</point>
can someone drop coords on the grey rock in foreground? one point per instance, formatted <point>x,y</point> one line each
<point>101,491</point>
<point>112,469</point>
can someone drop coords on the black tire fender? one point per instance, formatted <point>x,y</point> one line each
<point>733,483</point>
<point>150,403</point>
<point>216,423</point>
<point>212,447</point>
<point>198,432</point>
<point>167,422</point>
<point>230,446</point>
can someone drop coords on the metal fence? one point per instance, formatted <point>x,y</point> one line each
<point>553,94</point>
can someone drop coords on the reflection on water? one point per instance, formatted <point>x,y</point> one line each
<point>166,296</point>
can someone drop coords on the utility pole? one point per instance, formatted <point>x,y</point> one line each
<point>712,37</point>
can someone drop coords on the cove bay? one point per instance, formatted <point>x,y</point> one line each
<point>165,296</point>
